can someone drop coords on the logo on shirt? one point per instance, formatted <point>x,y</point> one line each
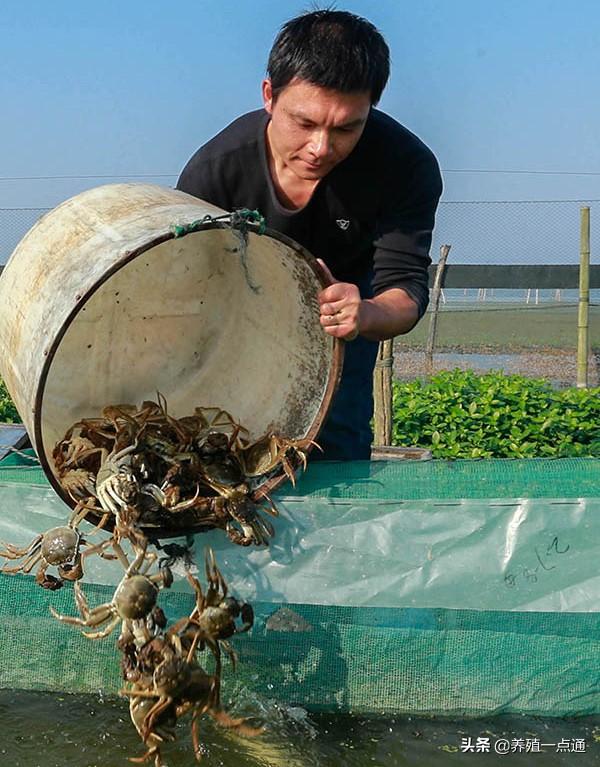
<point>343,223</point>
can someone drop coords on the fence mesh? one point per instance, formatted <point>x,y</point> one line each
<point>527,331</point>
<point>521,232</point>
<point>518,232</point>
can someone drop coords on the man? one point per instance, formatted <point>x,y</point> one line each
<point>352,185</point>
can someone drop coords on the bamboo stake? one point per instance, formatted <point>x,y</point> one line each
<point>584,300</point>
<point>435,304</point>
<point>382,394</point>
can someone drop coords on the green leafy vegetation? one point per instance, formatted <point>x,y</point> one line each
<point>8,411</point>
<point>459,414</point>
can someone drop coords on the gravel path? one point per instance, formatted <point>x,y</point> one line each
<point>559,367</point>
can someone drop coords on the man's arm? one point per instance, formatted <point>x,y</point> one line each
<point>389,314</point>
<point>401,259</point>
<point>401,262</point>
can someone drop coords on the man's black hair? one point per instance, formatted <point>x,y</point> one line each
<point>332,49</point>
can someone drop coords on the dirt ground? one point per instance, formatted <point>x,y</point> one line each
<point>559,367</point>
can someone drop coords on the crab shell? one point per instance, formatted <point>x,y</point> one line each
<point>135,597</point>
<point>172,676</point>
<point>60,545</point>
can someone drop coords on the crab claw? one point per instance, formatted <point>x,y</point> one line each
<point>246,531</point>
<point>48,581</point>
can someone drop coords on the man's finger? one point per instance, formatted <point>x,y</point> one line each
<point>332,307</point>
<point>327,275</point>
<point>345,331</point>
<point>346,324</point>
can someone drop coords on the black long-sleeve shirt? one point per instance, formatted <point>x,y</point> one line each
<point>370,219</point>
<point>374,211</point>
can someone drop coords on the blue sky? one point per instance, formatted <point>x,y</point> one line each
<point>135,87</point>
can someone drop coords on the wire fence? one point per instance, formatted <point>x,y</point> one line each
<point>526,232</point>
<point>14,224</point>
<point>523,330</point>
<point>520,330</point>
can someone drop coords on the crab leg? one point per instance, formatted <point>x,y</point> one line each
<point>26,566</point>
<point>13,552</point>
<point>105,632</point>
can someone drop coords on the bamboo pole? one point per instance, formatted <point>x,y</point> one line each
<point>382,394</point>
<point>584,300</point>
<point>435,304</point>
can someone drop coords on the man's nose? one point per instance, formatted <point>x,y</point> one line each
<point>320,144</point>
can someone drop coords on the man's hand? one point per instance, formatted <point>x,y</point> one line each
<point>340,304</point>
<point>345,315</point>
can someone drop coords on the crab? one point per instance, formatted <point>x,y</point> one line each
<point>133,601</point>
<point>177,685</point>
<point>166,449</point>
<point>201,696</point>
<point>215,421</point>
<point>219,466</point>
<point>71,451</point>
<point>59,547</point>
<point>124,420</point>
<point>243,524</point>
<point>168,495</point>
<point>164,729</point>
<point>138,636</point>
<point>263,456</point>
<point>79,484</point>
<point>162,674</point>
<point>116,485</point>
<point>213,619</point>
<point>223,474</point>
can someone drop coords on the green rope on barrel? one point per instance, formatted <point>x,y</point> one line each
<point>244,216</point>
<point>239,219</point>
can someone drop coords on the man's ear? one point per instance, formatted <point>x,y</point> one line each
<point>267,94</point>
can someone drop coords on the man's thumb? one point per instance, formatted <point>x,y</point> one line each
<point>329,278</point>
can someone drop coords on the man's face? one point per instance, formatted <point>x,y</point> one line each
<point>312,129</point>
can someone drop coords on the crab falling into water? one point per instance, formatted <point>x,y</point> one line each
<point>164,677</point>
<point>132,602</point>
<point>139,472</point>
<point>60,547</point>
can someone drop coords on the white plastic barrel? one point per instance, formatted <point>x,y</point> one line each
<point>101,304</point>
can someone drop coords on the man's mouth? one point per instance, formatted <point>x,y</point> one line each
<point>313,165</point>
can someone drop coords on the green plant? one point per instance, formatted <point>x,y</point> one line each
<point>8,411</point>
<point>458,414</point>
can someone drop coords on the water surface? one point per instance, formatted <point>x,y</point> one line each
<point>46,730</point>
